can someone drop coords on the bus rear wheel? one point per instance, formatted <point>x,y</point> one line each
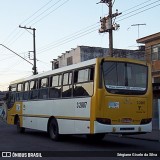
<point>19,128</point>
<point>53,130</point>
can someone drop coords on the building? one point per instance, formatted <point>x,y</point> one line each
<point>83,53</point>
<point>152,51</point>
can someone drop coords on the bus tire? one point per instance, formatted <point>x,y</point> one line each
<point>53,130</point>
<point>19,129</point>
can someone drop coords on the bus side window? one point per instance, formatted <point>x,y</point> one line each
<point>26,91</point>
<point>83,82</point>
<point>34,89</point>
<point>19,95</point>
<point>11,96</point>
<point>67,85</point>
<point>43,88</point>
<point>55,86</point>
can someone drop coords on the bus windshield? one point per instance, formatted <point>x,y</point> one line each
<point>124,77</point>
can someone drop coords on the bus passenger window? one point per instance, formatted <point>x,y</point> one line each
<point>34,89</point>
<point>55,81</point>
<point>11,96</point>
<point>26,91</point>
<point>44,83</point>
<point>19,95</point>
<point>20,88</point>
<point>43,91</point>
<point>13,88</point>
<point>55,88</point>
<point>83,75</point>
<point>67,85</point>
<point>33,85</point>
<point>83,82</point>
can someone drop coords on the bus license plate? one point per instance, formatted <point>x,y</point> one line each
<point>126,120</point>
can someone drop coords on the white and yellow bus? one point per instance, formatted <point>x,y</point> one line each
<point>95,97</point>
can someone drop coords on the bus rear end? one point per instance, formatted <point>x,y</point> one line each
<point>123,102</point>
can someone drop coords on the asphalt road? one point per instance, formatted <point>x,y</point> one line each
<point>70,146</point>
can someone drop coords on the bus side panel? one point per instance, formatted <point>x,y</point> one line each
<point>73,115</point>
<point>35,123</point>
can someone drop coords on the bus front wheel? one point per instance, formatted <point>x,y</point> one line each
<point>53,130</point>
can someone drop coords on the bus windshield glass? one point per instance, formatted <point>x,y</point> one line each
<point>124,77</point>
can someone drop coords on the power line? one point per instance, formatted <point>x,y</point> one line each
<point>26,20</point>
<point>90,31</point>
<point>67,39</point>
<point>43,12</point>
<point>138,12</point>
<point>136,6</point>
<point>63,41</point>
<point>36,11</point>
<point>13,41</point>
<point>50,12</point>
<point>16,54</point>
<point>71,39</point>
<point>139,8</point>
<point>18,35</point>
<point>48,48</point>
<point>69,36</point>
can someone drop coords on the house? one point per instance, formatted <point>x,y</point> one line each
<point>83,53</point>
<point>152,53</point>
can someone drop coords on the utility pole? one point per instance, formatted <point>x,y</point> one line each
<point>107,24</point>
<point>110,29</point>
<point>34,48</point>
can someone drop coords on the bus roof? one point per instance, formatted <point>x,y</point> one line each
<point>77,65</point>
<point>56,71</point>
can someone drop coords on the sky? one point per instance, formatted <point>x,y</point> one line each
<point>64,24</point>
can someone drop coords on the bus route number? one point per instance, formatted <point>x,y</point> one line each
<point>141,102</point>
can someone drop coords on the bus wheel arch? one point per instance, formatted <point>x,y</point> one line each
<point>53,129</point>
<point>16,117</point>
<point>17,122</point>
